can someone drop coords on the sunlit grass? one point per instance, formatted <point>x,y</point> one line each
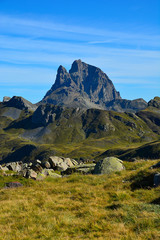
<point>81,207</point>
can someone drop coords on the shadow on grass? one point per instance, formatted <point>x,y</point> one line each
<point>156,201</point>
<point>142,180</point>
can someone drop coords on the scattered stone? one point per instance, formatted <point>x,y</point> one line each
<point>47,165</point>
<point>39,170</point>
<point>108,165</point>
<point>74,162</point>
<point>13,185</point>
<point>68,162</point>
<point>38,161</point>
<point>4,169</point>
<point>31,174</point>
<point>81,168</point>
<point>14,166</point>
<point>156,179</point>
<point>24,173</point>
<point>37,167</point>
<point>58,163</point>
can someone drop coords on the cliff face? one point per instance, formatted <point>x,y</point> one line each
<point>84,86</point>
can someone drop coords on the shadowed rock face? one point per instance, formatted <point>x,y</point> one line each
<point>84,86</point>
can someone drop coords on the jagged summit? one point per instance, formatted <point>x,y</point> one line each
<point>83,86</point>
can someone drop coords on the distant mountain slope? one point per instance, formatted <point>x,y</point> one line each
<point>151,115</point>
<point>75,132</point>
<point>147,151</point>
<point>56,125</point>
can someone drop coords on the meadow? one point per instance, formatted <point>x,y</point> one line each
<point>122,205</point>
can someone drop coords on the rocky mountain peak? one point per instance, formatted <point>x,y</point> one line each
<point>87,86</point>
<point>62,79</point>
<point>77,66</point>
<point>61,69</point>
<point>84,86</point>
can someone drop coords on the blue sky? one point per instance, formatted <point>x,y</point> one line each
<point>120,37</point>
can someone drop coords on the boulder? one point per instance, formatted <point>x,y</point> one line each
<point>24,172</point>
<point>108,165</point>
<point>47,164</point>
<point>40,177</point>
<point>4,168</point>
<point>14,166</point>
<point>47,172</point>
<point>68,162</point>
<point>37,167</point>
<point>31,174</point>
<point>74,162</point>
<point>157,179</point>
<point>58,163</point>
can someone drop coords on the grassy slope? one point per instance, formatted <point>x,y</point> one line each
<point>146,151</point>
<point>83,207</point>
<point>86,134</point>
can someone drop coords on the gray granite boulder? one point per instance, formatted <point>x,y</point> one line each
<point>108,165</point>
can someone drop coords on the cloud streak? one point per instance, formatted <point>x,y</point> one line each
<point>31,51</point>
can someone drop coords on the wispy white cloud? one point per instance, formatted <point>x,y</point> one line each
<point>44,28</point>
<point>32,50</point>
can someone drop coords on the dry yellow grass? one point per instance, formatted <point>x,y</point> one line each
<point>82,207</point>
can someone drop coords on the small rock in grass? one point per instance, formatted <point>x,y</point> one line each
<point>156,179</point>
<point>13,185</point>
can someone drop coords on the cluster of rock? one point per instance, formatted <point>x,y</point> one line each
<point>65,166</point>
<point>39,170</point>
